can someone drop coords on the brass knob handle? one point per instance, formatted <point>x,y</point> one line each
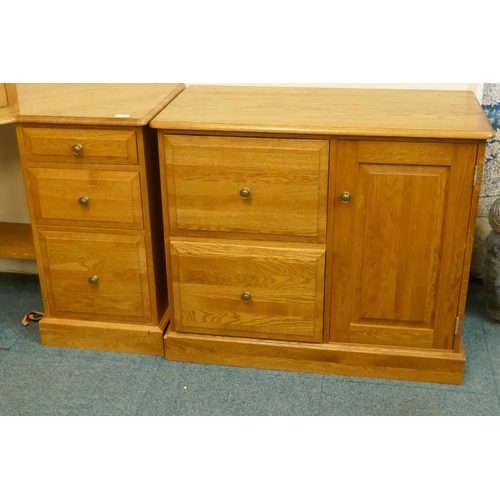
<point>83,201</point>
<point>93,280</point>
<point>77,149</point>
<point>345,197</point>
<point>246,297</point>
<point>245,193</point>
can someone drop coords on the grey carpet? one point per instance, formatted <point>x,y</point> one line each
<point>37,380</point>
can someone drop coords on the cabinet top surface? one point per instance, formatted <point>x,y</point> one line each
<point>327,111</point>
<point>93,104</point>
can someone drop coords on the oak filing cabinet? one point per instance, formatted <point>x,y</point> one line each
<point>91,173</point>
<point>321,230</point>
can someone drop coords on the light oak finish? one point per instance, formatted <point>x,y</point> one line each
<point>93,195</point>
<point>118,262</point>
<point>103,146</point>
<point>399,219</point>
<point>334,359</point>
<point>469,245</point>
<point>102,336</point>
<point>361,112</point>
<point>91,198</point>
<point>286,287</point>
<point>396,256</point>
<point>9,104</point>
<point>115,104</point>
<point>16,241</point>
<point>207,176</point>
<point>3,96</point>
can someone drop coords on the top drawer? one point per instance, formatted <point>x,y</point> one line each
<point>274,187</point>
<point>80,146</point>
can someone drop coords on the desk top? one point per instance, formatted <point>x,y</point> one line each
<point>94,104</point>
<point>327,111</point>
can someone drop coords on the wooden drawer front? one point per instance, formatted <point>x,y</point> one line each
<point>3,96</point>
<point>287,180</point>
<point>286,287</point>
<point>86,197</point>
<point>103,147</point>
<point>119,262</point>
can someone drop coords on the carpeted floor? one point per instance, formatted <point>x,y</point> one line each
<point>37,380</point>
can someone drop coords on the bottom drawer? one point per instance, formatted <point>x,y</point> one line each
<point>96,276</point>
<point>259,291</point>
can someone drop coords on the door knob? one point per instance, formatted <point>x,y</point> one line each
<point>245,193</point>
<point>345,197</point>
<point>77,149</point>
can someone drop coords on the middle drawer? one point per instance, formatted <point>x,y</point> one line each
<point>87,198</point>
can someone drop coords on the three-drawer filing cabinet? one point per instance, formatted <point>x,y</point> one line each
<point>321,230</point>
<point>91,173</point>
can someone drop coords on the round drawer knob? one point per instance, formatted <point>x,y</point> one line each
<point>83,201</point>
<point>93,280</point>
<point>77,149</point>
<point>345,197</point>
<point>246,297</point>
<point>245,193</point>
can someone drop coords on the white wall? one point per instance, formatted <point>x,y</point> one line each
<point>13,206</point>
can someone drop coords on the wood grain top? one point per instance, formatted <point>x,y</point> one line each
<point>94,104</point>
<point>327,111</point>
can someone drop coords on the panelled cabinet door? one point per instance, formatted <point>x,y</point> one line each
<point>400,209</point>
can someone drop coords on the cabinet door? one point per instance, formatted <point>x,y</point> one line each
<point>399,242</point>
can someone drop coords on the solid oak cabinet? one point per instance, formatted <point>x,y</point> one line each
<point>91,174</point>
<point>321,230</point>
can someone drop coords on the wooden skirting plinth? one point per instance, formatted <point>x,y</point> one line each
<point>101,336</point>
<point>410,364</point>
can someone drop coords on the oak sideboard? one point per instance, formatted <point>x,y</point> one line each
<point>321,230</point>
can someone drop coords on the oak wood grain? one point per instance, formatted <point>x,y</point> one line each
<point>395,254</point>
<point>453,253</point>
<point>424,365</point>
<point>286,286</point>
<point>114,198</point>
<point>100,146</point>
<point>16,241</point>
<point>9,104</point>
<point>69,259</point>
<point>3,96</point>
<point>287,181</point>
<point>365,112</point>
<point>116,104</point>
<point>469,244</point>
<point>102,336</point>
